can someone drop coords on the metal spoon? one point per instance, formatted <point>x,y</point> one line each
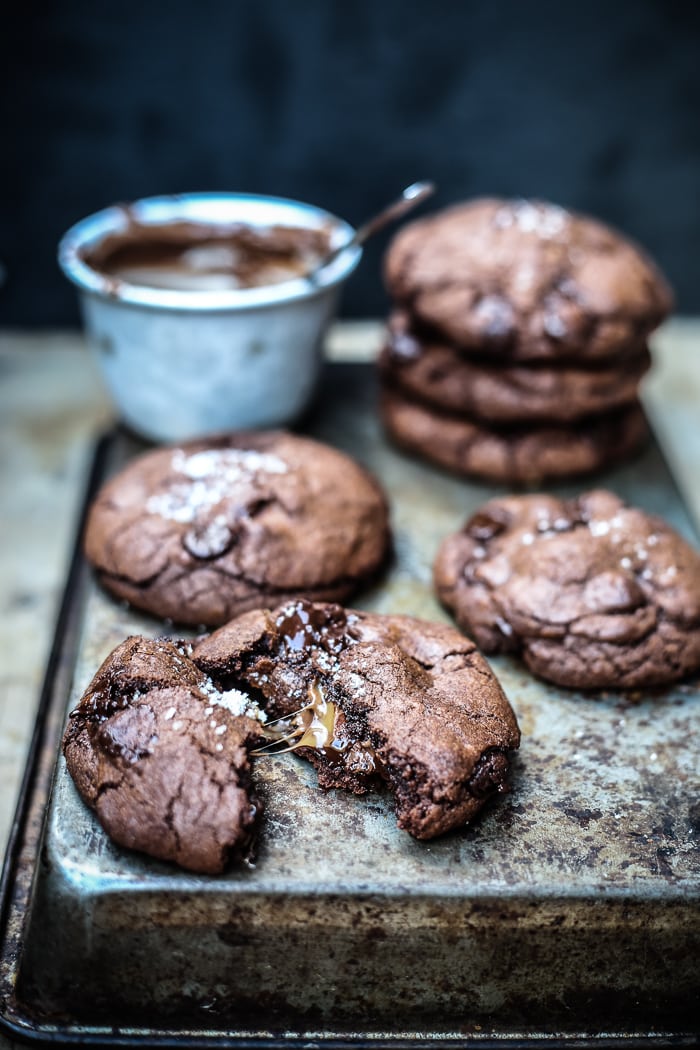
<point>409,199</point>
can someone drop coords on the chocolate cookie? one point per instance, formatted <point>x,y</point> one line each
<point>161,755</point>
<point>593,593</point>
<point>517,455</point>
<point>527,281</point>
<point>377,698</point>
<point>159,744</point>
<point>440,375</point>
<point>205,531</point>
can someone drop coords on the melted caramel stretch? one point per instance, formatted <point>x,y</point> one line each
<point>314,725</point>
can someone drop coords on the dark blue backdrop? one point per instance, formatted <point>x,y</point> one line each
<point>593,104</point>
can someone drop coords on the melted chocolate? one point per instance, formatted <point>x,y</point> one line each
<point>303,626</point>
<point>490,774</point>
<point>92,714</point>
<point>484,526</point>
<point>196,256</point>
<point>112,744</point>
<point>100,706</point>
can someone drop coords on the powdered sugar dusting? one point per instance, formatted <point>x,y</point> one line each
<point>211,475</point>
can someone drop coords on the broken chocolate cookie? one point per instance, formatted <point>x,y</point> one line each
<point>160,743</point>
<point>161,755</point>
<point>370,698</point>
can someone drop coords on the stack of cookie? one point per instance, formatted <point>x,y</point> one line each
<point>518,341</point>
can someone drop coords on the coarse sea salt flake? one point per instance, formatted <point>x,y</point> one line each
<point>227,462</point>
<point>234,700</point>
<point>208,478</point>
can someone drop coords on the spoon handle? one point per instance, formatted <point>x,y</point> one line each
<point>410,198</point>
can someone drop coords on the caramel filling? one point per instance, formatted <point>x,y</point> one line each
<point>313,725</point>
<point>318,725</point>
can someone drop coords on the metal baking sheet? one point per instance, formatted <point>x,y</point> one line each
<point>567,914</point>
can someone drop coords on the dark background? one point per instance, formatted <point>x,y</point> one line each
<point>593,105</point>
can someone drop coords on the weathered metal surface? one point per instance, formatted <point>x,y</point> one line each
<point>569,908</point>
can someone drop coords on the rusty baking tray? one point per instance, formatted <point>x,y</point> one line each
<point>567,915</point>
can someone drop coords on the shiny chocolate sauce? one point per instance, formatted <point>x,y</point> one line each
<point>303,627</point>
<point>189,256</point>
<point>93,714</point>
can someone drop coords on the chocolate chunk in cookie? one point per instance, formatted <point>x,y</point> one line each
<point>522,455</point>
<point>161,755</point>
<point>593,593</point>
<point>205,531</point>
<point>527,281</point>
<point>441,376</point>
<point>370,699</point>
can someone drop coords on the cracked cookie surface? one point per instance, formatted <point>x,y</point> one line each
<point>437,373</point>
<point>527,281</point>
<point>161,755</point>
<point>522,455</point>
<point>416,705</point>
<point>207,530</point>
<point>593,593</point>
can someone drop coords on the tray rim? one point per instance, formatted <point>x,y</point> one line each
<point>24,847</point>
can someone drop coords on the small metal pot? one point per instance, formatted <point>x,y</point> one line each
<point>180,364</point>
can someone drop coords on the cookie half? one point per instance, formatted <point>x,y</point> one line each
<point>527,281</point>
<point>523,455</point>
<point>439,374</point>
<point>380,699</point>
<point>593,593</point>
<point>161,756</point>
<point>207,530</point>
